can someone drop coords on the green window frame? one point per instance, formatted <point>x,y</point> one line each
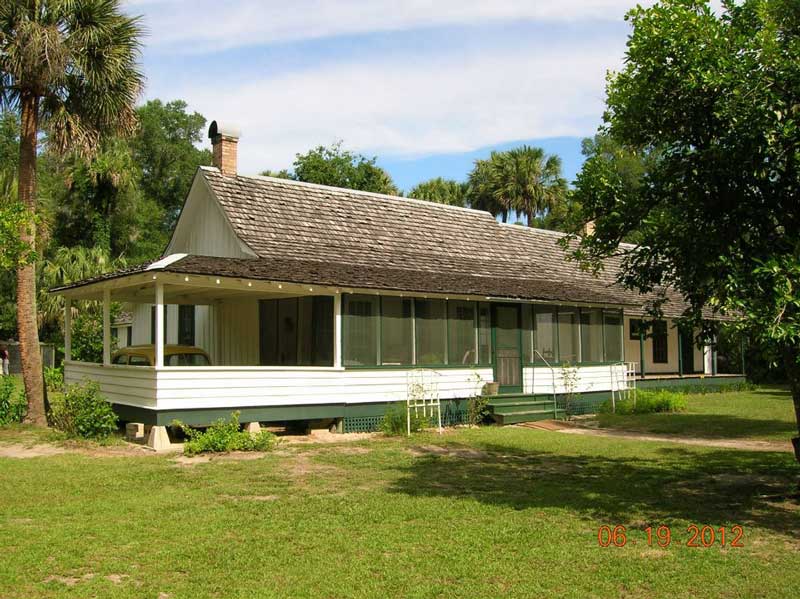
<point>660,342</point>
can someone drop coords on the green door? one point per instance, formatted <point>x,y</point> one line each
<point>507,347</point>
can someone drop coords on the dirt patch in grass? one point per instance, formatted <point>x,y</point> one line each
<point>205,458</point>
<point>745,445</point>
<point>20,451</point>
<point>446,451</point>
<point>325,436</point>
<point>250,497</point>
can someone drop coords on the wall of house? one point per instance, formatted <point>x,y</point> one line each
<point>196,388</point>
<point>587,379</point>
<point>203,228</point>
<point>632,353</point>
<point>127,385</point>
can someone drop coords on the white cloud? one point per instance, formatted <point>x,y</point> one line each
<point>207,25</point>
<point>415,105</point>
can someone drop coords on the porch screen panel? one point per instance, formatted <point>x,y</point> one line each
<point>287,332</point>
<point>397,342</point>
<point>612,323</point>
<point>484,334</point>
<point>527,333</point>
<point>360,330</point>
<point>186,320</point>
<point>591,335</point>
<point>431,327</point>
<point>315,331</point>
<point>268,332</point>
<point>568,335</point>
<point>461,332</point>
<point>545,333</point>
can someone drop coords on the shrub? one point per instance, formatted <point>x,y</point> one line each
<point>13,405</point>
<point>54,378</point>
<point>648,402</point>
<point>477,409</point>
<point>224,436</point>
<point>83,413</point>
<point>703,389</point>
<point>395,421</point>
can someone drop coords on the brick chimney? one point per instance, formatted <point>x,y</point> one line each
<point>224,139</point>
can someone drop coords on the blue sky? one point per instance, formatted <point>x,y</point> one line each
<point>427,86</point>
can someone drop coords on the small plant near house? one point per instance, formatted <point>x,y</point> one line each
<point>648,402</point>
<point>83,413</point>
<point>54,378</point>
<point>224,436</point>
<point>13,405</point>
<point>569,378</point>
<point>478,402</point>
<point>394,422</point>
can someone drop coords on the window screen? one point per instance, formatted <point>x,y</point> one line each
<point>461,330</point>
<point>612,323</point>
<point>484,334</point>
<point>660,349</point>
<point>360,330</point>
<point>591,335</point>
<point>431,330</point>
<point>545,333</point>
<point>527,333</point>
<point>296,331</point>
<point>186,325</point>
<point>568,335</point>
<point>397,342</point>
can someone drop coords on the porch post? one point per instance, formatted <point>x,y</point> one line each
<point>337,330</point>
<point>67,329</point>
<point>106,327</point>
<point>159,332</point>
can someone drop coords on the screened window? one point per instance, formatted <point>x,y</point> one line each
<point>186,325</point>
<point>484,335</point>
<point>568,335</point>
<point>527,333</point>
<point>431,330</point>
<point>591,335</point>
<point>296,331</point>
<point>637,329</point>
<point>360,334</point>
<point>612,323</point>
<point>153,324</point>
<point>461,330</point>
<point>397,342</point>
<point>545,333</point>
<point>660,347</point>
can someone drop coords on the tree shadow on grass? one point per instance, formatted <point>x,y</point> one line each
<point>710,426</point>
<point>709,487</point>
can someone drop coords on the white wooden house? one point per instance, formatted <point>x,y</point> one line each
<point>320,303</point>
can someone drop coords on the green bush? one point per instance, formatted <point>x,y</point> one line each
<point>394,421</point>
<point>224,436</point>
<point>703,389</point>
<point>477,409</point>
<point>648,402</point>
<point>13,405</point>
<point>54,378</point>
<point>83,413</point>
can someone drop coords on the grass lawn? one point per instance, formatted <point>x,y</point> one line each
<point>484,512</point>
<point>764,414</point>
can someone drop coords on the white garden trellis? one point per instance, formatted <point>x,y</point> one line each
<point>423,396</point>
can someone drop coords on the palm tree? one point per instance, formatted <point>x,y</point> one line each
<point>528,181</point>
<point>482,184</point>
<point>69,68</point>
<point>440,191</point>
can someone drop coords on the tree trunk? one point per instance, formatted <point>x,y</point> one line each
<point>791,353</point>
<point>529,216</point>
<point>27,322</point>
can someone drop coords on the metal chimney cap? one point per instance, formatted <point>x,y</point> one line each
<point>224,130</point>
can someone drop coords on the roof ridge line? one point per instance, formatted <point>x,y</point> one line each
<point>385,196</point>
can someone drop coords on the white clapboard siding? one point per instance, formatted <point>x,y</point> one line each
<point>129,385</point>
<point>217,387</point>
<point>589,379</point>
